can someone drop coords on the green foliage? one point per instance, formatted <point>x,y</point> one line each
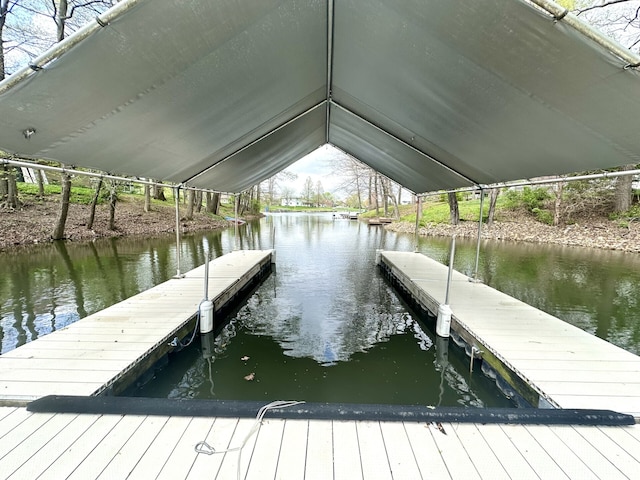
<point>529,198</point>
<point>544,216</point>
<point>460,196</point>
<point>82,195</point>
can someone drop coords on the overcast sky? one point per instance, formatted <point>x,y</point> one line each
<point>318,165</point>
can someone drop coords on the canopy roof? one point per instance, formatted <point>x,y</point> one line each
<point>223,94</point>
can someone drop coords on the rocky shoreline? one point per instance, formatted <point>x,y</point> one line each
<point>33,224</point>
<point>592,233</point>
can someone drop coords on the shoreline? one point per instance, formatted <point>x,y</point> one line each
<point>34,222</point>
<point>597,233</point>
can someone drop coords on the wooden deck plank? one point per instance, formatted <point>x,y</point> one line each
<point>24,426</point>
<point>426,451</point>
<point>35,440</point>
<point>375,463</point>
<point>402,461</point>
<point>530,449</point>
<point>126,445</point>
<point>37,460</point>
<point>621,459</point>
<point>160,449</point>
<point>57,375</point>
<point>455,456</point>
<point>293,450</point>
<point>14,417</point>
<point>346,451</point>
<point>23,365</point>
<point>589,454</point>
<point>219,438</point>
<point>184,455</point>
<point>78,457</point>
<point>264,461</point>
<point>562,454</point>
<point>507,452</point>
<point>33,390</point>
<point>132,446</point>
<point>480,453</point>
<point>231,460</point>
<point>319,464</point>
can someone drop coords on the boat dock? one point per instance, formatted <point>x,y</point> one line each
<point>105,352</point>
<point>135,446</point>
<point>549,362</point>
<point>74,431</point>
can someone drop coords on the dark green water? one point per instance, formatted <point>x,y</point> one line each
<point>325,326</point>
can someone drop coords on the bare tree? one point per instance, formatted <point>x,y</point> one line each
<point>213,202</point>
<point>190,196</point>
<point>307,190</point>
<point>147,197</point>
<point>454,211</point>
<point>94,202</point>
<point>319,192</point>
<point>557,214</point>
<point>113,199</point>
<point>624,194</point>
<point>58,231</point>
<point>619,19</point>
<point>158,192</point>
<point>4,11</point>
<point>493,199</point>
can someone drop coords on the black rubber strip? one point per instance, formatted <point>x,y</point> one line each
<point>325,411</point>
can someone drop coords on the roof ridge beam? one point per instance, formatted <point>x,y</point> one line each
<point>408,145</point>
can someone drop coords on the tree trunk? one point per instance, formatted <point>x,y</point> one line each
<point>113,198</point>
<point>4,8</point>
<point>40,180</point>
<point>147,197</point>
<point>559,187</point>
<point>198,201</point>
<point>375,193</point>
<point>94,202</point>
<point>158,193</point>
<point>454,212</point>
<point>58,232</point>
<point>12,190</point>
<point>213,202</point>
<point>61,18</point>
<point>190,199</point>
<point>385,196</point>
<point>623,194</point>
<point>493,199</point>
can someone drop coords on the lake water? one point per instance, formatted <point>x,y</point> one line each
<point>325,326</point>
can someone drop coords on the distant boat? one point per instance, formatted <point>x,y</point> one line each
<point>239,221</point>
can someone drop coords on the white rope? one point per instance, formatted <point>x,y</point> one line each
<point>204,447</point>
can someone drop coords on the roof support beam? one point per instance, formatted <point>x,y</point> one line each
<point>257,140</point>
<point>560,13</point>
<point>329,64</point>
<point>399,140</point>
<point>65,45</point>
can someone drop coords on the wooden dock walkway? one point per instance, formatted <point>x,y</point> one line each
<point>547,360</point>
<point>92,446</point>
<point>109,349</point>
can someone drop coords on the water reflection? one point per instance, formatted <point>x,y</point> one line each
<point>326,327</point>
<point>44,288</point>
